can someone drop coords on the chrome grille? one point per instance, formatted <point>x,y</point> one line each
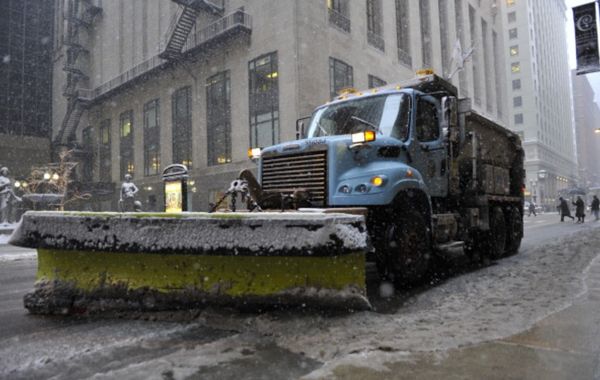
<point>300,171</point>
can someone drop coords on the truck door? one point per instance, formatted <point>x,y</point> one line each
<point>428,148</point>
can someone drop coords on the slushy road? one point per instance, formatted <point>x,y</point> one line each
<point>220,344</point>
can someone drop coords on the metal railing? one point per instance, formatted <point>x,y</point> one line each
<point>172,25</point>
<point>339,20</point>
<point>376,41</point>
<point>217,28</point>
<point>134,72</point>
<point>214,5</point>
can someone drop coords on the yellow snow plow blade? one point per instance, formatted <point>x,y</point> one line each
<point>96,261</point>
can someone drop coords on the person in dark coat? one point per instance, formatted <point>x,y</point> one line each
<point>532,209</point>
<point>595,207</point>
<point>563,208</point>
<point>579,210</point>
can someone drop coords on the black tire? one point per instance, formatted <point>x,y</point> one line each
<point>407,247</point>
<point>514,231</point>
<point>497,237</point>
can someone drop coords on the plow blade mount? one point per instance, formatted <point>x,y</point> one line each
<point>90,262</point>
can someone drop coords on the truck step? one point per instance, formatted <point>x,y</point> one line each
<point>451,250</point>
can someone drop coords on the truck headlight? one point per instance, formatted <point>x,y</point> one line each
<point>362,188</point>
<point>378,180</point>
<point>345,189</point>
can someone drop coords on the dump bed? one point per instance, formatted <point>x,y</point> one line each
<point>490,160</point>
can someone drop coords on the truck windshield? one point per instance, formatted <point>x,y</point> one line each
<point>388,115</point>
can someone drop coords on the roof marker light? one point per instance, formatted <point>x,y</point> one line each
<point>254,153</point>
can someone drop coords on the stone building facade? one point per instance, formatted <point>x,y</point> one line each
<point>538,89</point>
<point>147,83</point>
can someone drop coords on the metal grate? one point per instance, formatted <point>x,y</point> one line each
<point>306,171</point>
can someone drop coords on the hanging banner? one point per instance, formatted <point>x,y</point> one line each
<point>586,38</point>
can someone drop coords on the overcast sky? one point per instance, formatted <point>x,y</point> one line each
<point>594,78</point>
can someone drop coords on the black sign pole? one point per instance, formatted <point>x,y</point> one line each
<point>586,38</point>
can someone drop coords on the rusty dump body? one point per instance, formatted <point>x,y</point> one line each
<point>490,160</point>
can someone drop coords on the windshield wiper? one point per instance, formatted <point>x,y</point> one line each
<point>367,123</point>
<point>325,133</point>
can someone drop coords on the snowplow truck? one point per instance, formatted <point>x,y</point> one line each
<point>394,175</point>
<point>430,175</point>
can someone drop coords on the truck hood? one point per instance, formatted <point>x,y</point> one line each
<point>352,166</point>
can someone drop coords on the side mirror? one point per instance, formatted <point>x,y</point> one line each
<point>300,127</point>
<point>449,120</point>
<point>450,123</point>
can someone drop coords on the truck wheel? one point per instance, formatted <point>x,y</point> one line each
<point>514,228</point>
<point>408,247</point>
<point>497,236</point>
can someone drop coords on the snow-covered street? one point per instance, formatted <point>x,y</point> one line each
<point>480,305</point>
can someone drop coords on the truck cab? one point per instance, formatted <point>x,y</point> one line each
<point>429,173</point>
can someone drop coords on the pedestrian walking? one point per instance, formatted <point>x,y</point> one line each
<point>532,209</point>
<point>595,207</point>
<point>564,210</point>
<point>579,210</point>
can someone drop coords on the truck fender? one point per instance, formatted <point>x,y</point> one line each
<point>415,193</point>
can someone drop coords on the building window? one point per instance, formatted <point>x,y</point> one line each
<point>488,64</point>
<point>424,15</point>
<point>514,51</point>
<point>517,101</point>
<point>516,84</point>
<point>152,137</point>
<point>498,73</point>
<point>218,118</point>
<point>104,151</point>
<point>339,14</point>
<point>264,100</point>
<point>519,118</point>
<point>374,24</point>
<point>182,126</point>
<point>444,37</point>
<point>512,33</point>
<point>87,142</point>
<point>512,16</point>
<point>376,82</point>
<point>340,76</point>
<point>460,35</point>
<point>475,57</point>
<point>515,67</point>
<point>403,32</point>
<point>126,143</point>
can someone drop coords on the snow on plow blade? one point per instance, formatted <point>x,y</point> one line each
<point>89,262</point>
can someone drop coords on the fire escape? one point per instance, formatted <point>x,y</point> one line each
<point>182,24</point>
<point>80,17</point>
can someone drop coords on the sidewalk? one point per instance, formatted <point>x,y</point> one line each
<point>564,345</point>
